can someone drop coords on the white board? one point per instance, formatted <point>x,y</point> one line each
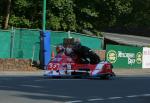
<point>146,57</point>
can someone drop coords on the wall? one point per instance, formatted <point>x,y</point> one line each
<point>25,43</point>
<point>16,65</point>
<point>124,56</point>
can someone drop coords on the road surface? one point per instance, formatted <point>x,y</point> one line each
<point>36,89</point>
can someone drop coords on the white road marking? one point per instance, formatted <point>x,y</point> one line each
<point>112,98</point>
<point>115,97</point>
<point>33,86</point>
<point>76,101</point>
<point>132,96</point>
<point>96,99</point>
<point>145,95</point>
<point>61,79</point>
<point>38,80</point>
<point>109,98</point>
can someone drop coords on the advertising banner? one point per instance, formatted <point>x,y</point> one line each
<point>124,56</point>
<point>146,57</point>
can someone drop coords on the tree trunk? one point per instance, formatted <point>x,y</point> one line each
<point>6,19</point>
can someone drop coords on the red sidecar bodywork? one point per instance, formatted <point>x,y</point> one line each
<point>65,66</point>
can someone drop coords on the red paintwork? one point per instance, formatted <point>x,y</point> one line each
<point>61,61</point>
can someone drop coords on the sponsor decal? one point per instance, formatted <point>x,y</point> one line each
<point>129,56</point>
<point>112,56</point>
<point>132,58</point>
<point>139,58</point>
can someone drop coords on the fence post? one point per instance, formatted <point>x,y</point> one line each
<point>12,42</point>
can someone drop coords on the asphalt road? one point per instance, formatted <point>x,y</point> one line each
<point>36,89</point>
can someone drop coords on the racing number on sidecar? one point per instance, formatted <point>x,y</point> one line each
<point>53,66</point>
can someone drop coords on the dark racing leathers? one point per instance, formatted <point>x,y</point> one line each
<point>85,55</point>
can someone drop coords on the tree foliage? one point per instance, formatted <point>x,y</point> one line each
<point>78,15</point>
